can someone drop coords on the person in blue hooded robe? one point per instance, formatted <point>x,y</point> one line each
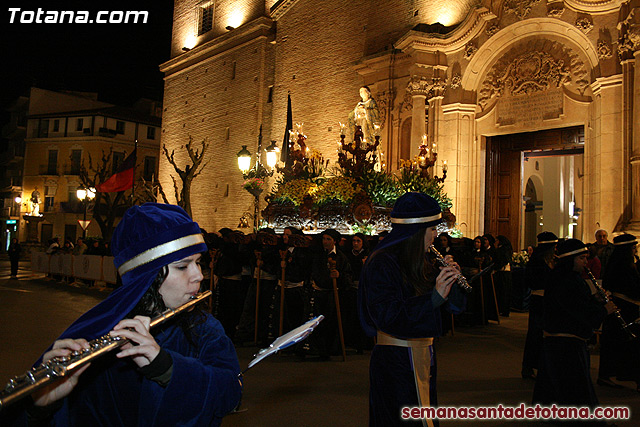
<point>400,295</point>
<point>184,372</point>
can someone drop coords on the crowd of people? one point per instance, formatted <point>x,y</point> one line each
<point>579,290</point>
<point>386,293</point>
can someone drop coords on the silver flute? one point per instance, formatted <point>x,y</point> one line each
<point>61,366</point>
<point>462,281</point>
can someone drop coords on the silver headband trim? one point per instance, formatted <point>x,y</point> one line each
<point>419,220</point>
<point>160,251</point>
<point>577,251</point>
<point>548,241</point>
<point>629,242</point>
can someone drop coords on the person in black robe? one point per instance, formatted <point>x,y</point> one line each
<point>14,256</point>
<point>537,274</point>
<point>399,299</point>
<point>322,275</point>
<point>571,313</point>
<point>294,258</point>
<point>357,255</point>
<point>619,352</point>
<point>183,372</point>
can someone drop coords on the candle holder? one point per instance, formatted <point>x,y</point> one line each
<point>359,155</point>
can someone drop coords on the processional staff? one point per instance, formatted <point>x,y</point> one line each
<point>332,266</point>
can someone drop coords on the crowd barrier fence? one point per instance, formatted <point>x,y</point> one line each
<point>89,267</point>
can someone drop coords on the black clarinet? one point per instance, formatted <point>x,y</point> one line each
<point>462,281</point>
<point>603,295</point>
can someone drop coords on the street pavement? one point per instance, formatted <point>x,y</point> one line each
<point>476,366</point>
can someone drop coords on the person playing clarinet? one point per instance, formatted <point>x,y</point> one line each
<point>400,295</point>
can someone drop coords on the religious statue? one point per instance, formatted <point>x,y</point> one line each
<point>365,114</point>
<point>35,202</point>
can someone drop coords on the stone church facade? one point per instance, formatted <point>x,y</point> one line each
<point>494,83</point>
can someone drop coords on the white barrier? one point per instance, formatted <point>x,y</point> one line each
<point>109,273</point>
<point>40,262</point>
<point>90,267</point>
<point>87,267</point>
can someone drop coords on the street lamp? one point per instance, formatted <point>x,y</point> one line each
<point>85,195</point>
<point>244,159</point>
<point>272,155</point>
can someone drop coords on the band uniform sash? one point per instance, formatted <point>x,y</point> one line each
<point>625,298</point>
<point>546,334</point>
<point>421,354</point>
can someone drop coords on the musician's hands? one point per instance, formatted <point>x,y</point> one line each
<point>446,278</point>
<point>137,331</point>
<point>60,389</point>
<point>611,307</point>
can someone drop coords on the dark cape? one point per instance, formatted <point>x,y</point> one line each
<point>389,304</point>
<point>203,387</point>
<point>569,309</point>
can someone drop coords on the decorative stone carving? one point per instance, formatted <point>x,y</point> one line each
<point>625,47</point>
<point>419,86</point>
<point>407,102</point>
<point>492,29</point>
<point>469,50</point>
<point>520,8</point>
<point>537,70</point>
<point>456,81</point>
<point>384,99</point>
<point>604,50</point>
<point>584,24</point>
<point>555,10</point>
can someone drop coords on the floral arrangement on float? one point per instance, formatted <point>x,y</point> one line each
<point>520,259</point>
<point>354,194</point>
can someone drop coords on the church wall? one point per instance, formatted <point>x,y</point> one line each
<point>317,45</point>
<point>207,102</point>
<point>232,13</point>
<point>325,50</point>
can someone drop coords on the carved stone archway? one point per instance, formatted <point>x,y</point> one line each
<point>505,39</point>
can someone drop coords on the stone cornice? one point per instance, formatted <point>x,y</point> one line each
<point>260,27</point>
<point>605,83</point>
<point>458,107</point>
<point>594,7</point>
<point>376,62</point>
<point>281,7</point>
<point>449,43</point>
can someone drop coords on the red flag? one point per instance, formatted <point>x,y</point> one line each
<point>123,179</point>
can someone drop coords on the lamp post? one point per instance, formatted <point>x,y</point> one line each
<point>85,195</point>
<point>258,172</point>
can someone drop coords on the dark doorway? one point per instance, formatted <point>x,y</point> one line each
<point>46,233</point>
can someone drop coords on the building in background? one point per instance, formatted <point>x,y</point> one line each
<point>519,96</point>
<point>61,130</point>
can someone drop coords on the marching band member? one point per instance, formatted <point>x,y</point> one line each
<point>571,313</point>
<point>185,372</point>
<point>619,356</point>
<point>400,295</point>
<point>536,274</point>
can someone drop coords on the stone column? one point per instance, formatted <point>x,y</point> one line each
<point>418,88</point>
<point>635,146</point>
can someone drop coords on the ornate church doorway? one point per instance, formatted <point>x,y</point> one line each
<point>534,183</point>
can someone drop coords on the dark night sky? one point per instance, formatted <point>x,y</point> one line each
<point>119,61</point>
